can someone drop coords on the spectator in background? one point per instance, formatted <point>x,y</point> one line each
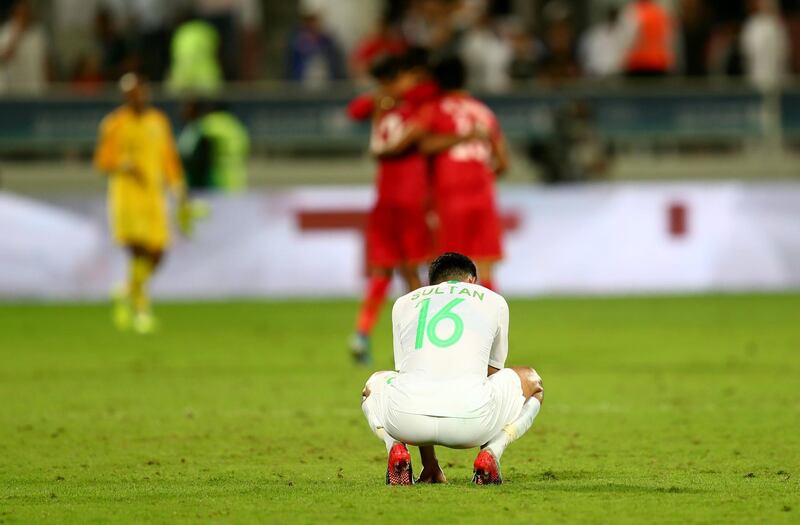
<point>765,46</point>
<point>600,48</point>
<point>386,39</point>
<point>153,20</point>
<point>647,39</point>
<point>195,60</point>
<point>5,9</point>
<point>525,53</point>
<point>575,151</point>
<point>418,23</point>
<point>432,24</point>
<point>213,146</point>
<point>559,60</point>
<point>23,52</point>
<point>230,145</point>
<point>695,33</point>
<point>70,32</point>
<point>314,56</point>
<point>110,46</point>
<point>487,55</point>
<point>88,76</point>
<point>250,40</point>
<point>725,50</point>
<point>791,18</point>
<point>194,148</point>
<point>224,16</point>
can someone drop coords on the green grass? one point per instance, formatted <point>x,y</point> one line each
<point>657,410</point>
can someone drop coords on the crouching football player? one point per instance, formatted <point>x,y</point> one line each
<point>450,387</point>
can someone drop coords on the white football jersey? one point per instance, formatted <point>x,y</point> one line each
<point>445,336</point>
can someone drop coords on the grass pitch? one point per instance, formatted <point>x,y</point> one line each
<point>656,410</point>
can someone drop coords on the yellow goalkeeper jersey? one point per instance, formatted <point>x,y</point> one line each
<point>137,151</point>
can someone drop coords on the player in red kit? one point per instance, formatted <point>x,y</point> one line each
<point>398,235</point>
<point>464,170</point>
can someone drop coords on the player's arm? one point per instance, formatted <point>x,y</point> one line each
<point>434,143</point>
<point>499,352</point>
<point>413,134</point>
<point>415,130</point>
<point>431,471</point>
<point>499,153</point>
<point>362,107</point>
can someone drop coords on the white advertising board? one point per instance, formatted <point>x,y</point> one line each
<point>306,242</point>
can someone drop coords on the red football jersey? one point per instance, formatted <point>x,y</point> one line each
<point>466,168</point>
<point>402,179</point>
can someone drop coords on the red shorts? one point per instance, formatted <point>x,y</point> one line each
<point>473,230</point>
<point>397,233</point>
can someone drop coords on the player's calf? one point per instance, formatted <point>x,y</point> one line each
<point>487,465</point>
<point>398,469</point>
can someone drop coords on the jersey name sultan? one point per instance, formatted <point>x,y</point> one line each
<point>445,336</point>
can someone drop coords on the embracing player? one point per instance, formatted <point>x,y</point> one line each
<point>450,387</point>
<point>467,151</point>
<point>398,235</point>
<point>137,152</point>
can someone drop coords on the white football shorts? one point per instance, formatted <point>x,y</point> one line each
<point>506,400</point>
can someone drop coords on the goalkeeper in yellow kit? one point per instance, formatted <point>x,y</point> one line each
<point>137,152</point>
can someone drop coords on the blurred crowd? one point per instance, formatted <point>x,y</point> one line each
<point>758,39</point>
<point>199,45</point>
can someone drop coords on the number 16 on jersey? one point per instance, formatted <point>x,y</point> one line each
<point>427,327</point>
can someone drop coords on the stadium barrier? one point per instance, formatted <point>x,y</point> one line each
<point>690,114</point>
<point>306,242</point>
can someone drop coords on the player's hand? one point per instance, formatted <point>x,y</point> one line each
<point>432,475</point>
<point>384,104</point>
<point>189,212</point>
<point>185,218</point>
<point>479,133</point>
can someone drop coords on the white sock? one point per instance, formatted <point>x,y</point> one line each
<point>376,427</point>
<point>516,428</point>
